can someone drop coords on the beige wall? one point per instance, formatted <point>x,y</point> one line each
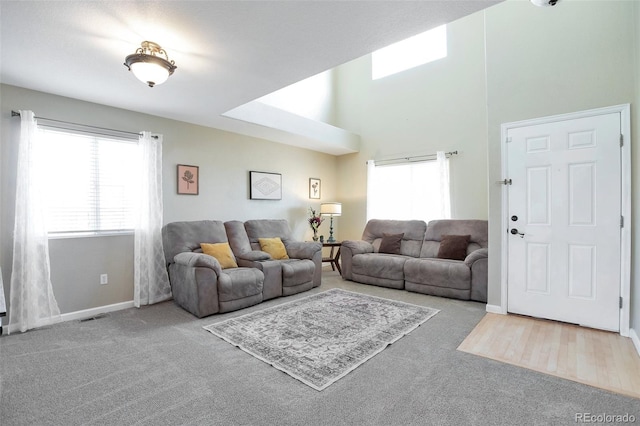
<point>224,159</point>
<point>437,106</point>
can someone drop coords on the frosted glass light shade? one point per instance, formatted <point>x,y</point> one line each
<point>150,73</point>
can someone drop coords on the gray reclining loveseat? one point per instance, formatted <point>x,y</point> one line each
<point>203,287</point>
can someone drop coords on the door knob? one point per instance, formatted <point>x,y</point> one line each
<point>514,231</point>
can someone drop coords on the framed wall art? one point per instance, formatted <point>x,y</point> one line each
<point>188,179</point>
<point>314,188</point>
<point>265,186</point>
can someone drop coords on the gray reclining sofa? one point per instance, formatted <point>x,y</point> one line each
<point>201,286</point>
<point>421,261</point>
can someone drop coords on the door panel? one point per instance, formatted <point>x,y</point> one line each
<point>564,259</point>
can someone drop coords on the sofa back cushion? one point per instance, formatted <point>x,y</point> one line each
<point>179,237</point>
<point>267,228</point>
<point>478,231</point>
<point>413,231</point>
<point>237,235</point>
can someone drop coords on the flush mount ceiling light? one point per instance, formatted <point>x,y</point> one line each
<point>544,3</point>
<point>150,64</point>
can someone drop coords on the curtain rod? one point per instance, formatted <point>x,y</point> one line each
<point>426,157</point>
<point>17,114</point>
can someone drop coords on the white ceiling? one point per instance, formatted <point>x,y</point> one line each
<point>227,52</point>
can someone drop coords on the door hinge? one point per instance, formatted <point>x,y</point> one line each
<point>508,140</point>
<point>621,140</point>
<point>621,221</point>
<point>620,302</point>
<point>504,182</point>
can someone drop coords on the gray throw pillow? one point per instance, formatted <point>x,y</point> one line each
<point>453,247</point>
<point>390,243</point>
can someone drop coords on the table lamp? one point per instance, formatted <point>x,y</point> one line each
<point>331,209</point>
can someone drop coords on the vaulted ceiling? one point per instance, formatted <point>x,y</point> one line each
<point>228,53</point>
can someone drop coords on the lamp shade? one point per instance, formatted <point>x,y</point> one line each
<point>331,209</point>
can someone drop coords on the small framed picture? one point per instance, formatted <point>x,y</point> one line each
<point>314,188</point>
<point>188,179</point>
<point>265,186</point>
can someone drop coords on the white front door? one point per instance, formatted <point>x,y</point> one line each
<point>564,214</point>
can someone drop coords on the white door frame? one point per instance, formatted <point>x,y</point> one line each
<point>625,240</point>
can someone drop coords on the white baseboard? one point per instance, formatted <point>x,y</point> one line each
<point>495,309</point>
<point>86,313</point>
<point>89,313</point>
<point>634,338</point>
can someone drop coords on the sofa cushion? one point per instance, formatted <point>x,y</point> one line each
<point>267,228</point>
<point>477,230</point>
<point>222,252</point>
<point>390,243</point>
<point>388,266</point>
<point>438,272</point>
<point>453,247</point>
<point>238,283</point>
<point>413,231</point>
<point>297,271</point>
<point>179,237</point>
<point>273,246</point>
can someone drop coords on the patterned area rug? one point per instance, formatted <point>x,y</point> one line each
<point>321,338</point>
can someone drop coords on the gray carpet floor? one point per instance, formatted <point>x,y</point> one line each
<point>158,366</point>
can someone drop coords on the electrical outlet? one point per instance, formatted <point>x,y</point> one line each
<point>104,279</point>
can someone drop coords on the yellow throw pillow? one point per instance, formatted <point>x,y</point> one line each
<point>222,252</point>
<point>273,246</point>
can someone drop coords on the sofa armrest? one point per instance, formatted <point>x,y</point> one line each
<point>358,247</point>
<point>348,249</point>
<point>476,255</point>
<point>255,256</point>
<point>198,260</point>
<point>303,249</point>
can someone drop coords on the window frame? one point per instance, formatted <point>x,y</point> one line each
<point>96,139</point>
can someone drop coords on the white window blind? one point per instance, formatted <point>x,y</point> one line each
<point>407,191</point>
<point>92,181</point>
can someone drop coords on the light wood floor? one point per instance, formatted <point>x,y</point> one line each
<point>598,358</point>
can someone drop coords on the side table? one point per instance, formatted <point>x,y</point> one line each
<point>334,256</point>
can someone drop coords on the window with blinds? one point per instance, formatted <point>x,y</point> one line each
<point>92,181</point>
<point>408,191</point>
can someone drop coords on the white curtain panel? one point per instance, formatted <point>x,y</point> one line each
<point>31,300</point>
<point>151,283</point>
<point>371,179</point>
<point>445,194</point>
